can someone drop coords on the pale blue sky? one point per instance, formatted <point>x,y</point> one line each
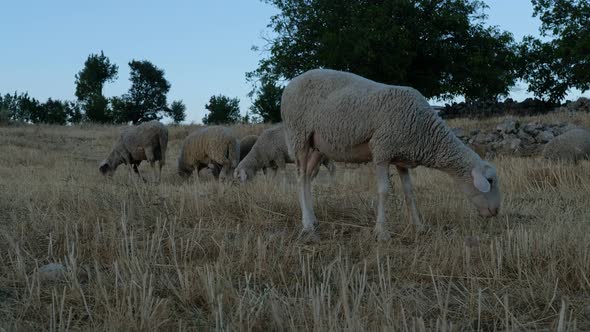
<point>204,46</point>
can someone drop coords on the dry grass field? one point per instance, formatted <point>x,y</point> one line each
<point>201,255</point>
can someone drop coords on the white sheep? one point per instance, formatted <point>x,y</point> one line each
<point>215,147</point>
<point>270,151</point>
<point>349,118</point>
<point>147,141</point>
<point>573,145</point>
<point>246,144</point>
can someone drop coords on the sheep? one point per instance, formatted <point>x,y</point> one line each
<point>270,151</point>
<point>214,147</point>
<point>348,118</point>
<point>573,145</point>
<point>246,144</point>
<point>147,141</point>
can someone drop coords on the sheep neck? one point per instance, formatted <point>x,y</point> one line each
<point>444,151</point>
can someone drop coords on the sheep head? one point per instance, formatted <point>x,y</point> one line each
<point>105,168</point>
<point>243,174</point>
<point>482,188</point>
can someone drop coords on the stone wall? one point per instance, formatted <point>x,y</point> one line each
<point>512,137</point>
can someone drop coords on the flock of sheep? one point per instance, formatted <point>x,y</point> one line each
<point>328,116</point>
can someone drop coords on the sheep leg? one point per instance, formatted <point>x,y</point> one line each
<point>313,164</point>
<point>160,165</point>
<point>382,174</point>
<point>305,200</point>
<point>136,171</point>
<point>151,158</point>
<point>404,175</point>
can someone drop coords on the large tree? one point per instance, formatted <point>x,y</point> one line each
<point>442,47</point>
<point>267,103</point>
<point>90,81</point>
<point>222,110</point>
<point>146,99</point>
<point>553,67</point>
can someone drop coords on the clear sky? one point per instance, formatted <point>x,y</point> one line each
<point>204,46</point>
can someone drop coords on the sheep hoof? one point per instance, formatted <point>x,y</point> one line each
<point>382,235</point>
<point>309,236</point>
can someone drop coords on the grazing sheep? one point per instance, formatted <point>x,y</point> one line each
<point>147,141</point>
<point>215,147</point>
<point>573,145</point>
<point>345,117</point>
<point>270,151</point>
<point>246,145</point>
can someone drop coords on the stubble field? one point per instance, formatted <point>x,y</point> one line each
<point>202,255</point>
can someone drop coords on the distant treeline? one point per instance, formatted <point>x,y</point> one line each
<point>483,109</point>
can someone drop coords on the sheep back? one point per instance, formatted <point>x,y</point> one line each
<point>215,144</point>
<point>573,145</point>
<point>353,119</point>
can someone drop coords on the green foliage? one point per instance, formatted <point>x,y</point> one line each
<point>96,108</point>
<point>267,104</point>
<point>52,112</point>
<point>442,47</point>
<point>222,110</point>
<point>146,99</point>
<point>90,81</point>
<point>177,111</point>
<point>4,114</point>
<point>551,68</point>
<point>74,112</point>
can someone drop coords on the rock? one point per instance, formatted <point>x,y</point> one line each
<point>580,105</point>
<point>562,128</point>
<point>51,272</point>
<point>484,138</point>
<point>508,126</point>
<point>510,145</point>
<point>545,136</point>
<point>532,128</point>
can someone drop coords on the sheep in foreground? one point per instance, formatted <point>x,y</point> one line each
<point>270,151</point>
<point>573,146</point>
<point>349,118</point>
<point>147,141</point>
<point>215,147</point>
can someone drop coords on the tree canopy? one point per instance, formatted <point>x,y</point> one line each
<point>553,67</point>
<point>442,48</point>
<point>90,81</point>
<point>267,103</point>
<point>146,99</point>
<point>222,110</point>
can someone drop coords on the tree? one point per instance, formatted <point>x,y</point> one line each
<point>177,111</point>
<point>551,68</point>
<point>222,110</point>
<point>90,81</point>
<point>441,48</point>
<point>267,104</point>
<point>74,113</point>
<point>146,99</point>
<point>29,109</point>
<point>52,112</point>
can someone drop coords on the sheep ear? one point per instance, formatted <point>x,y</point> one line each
<point>479,181</point>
